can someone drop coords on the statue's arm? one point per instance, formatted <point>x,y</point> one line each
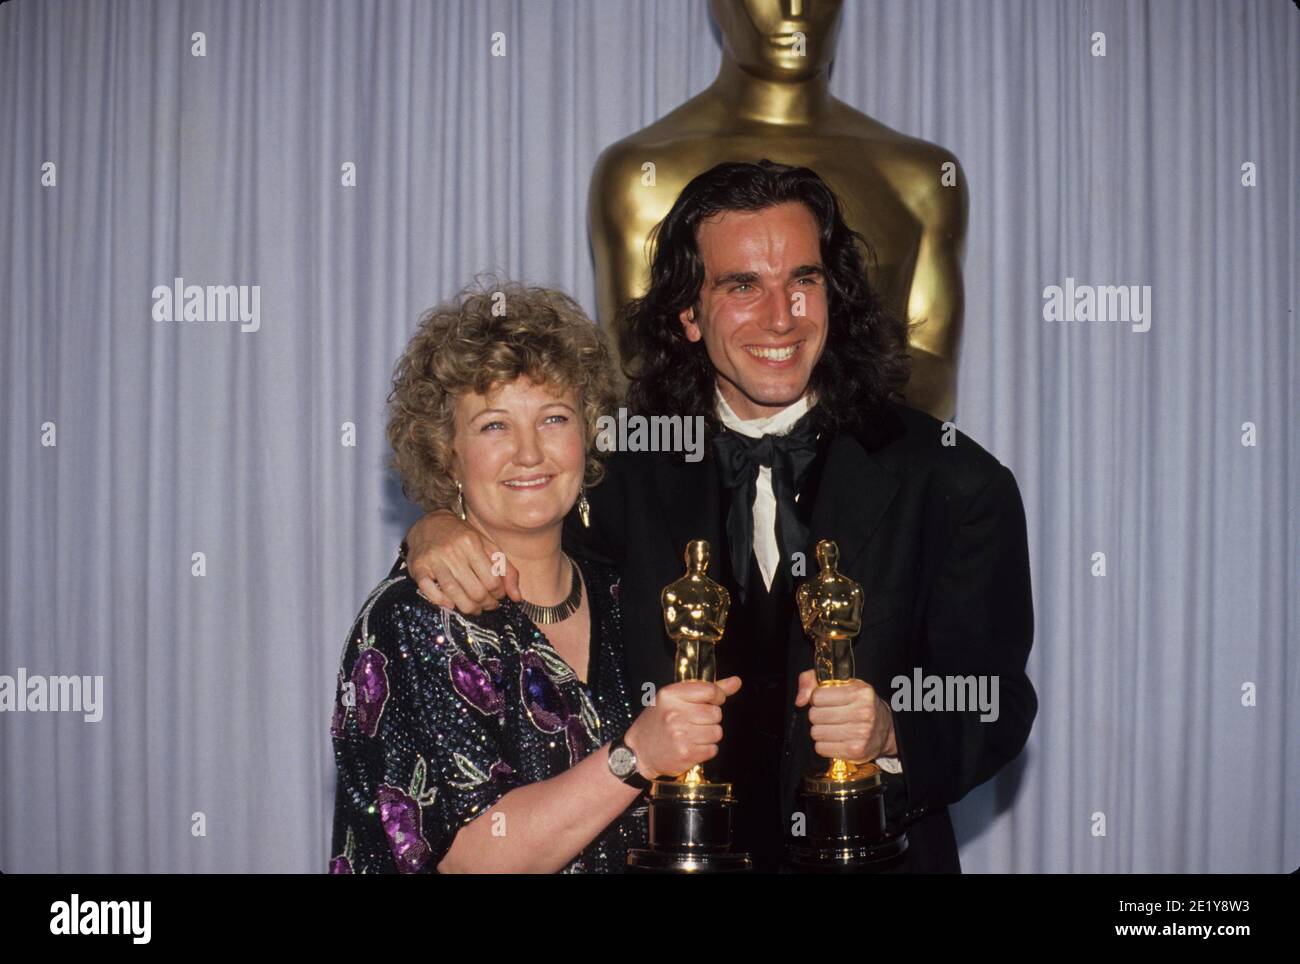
<point>620,258</point>
<point>936,298</point>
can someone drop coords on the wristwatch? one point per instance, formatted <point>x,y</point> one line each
<point>622,763</point>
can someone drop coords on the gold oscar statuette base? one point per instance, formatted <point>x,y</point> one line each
<point>844,822</point>
<point>691,823</point>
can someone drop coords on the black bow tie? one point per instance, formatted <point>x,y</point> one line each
<point>739,458</point>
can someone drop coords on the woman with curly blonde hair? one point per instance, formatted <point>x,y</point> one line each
<point>504,742</point>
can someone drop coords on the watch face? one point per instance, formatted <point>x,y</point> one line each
<point>622,761</point>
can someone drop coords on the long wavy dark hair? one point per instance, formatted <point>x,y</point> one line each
<point>865,361</point>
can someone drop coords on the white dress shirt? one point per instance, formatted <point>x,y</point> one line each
<point>766,550</point>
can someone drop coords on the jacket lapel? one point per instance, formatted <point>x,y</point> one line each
<point>854,494</point>
<point>690,508</point>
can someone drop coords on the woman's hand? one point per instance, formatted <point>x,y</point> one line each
<point>682,728</point>
<point>457,566</point>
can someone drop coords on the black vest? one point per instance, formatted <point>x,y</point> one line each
<point>754,648</point>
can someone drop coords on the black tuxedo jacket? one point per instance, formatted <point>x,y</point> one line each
<point>935,535</point>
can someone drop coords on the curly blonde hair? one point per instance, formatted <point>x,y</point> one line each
<point>488,335</point>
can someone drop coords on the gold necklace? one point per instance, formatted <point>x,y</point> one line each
<point>547,615</point>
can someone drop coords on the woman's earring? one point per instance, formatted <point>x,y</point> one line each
<point>584,508</point>
<point>460,501</point>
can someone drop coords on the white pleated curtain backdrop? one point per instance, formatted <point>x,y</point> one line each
<point>176,438</point>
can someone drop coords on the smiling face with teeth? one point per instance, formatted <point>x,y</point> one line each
<point>762,309</point>
<point>520,454</point>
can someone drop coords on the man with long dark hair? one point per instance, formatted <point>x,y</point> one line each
<point>859,360</point>
<point>760,321</point>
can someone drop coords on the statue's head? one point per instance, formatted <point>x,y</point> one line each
<point>697,556</point>
<point>828,556</point>
<point>761,36</point>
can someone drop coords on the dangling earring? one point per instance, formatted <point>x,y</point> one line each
<point>584,508</point>
<point>460,501</point>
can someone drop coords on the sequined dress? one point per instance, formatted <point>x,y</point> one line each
<point>437,716</point>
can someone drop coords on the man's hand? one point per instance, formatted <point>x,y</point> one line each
<point>849,722</point>
<point>455,565</point>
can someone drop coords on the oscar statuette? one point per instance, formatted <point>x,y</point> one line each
<point>843,805</point>
<point>691,818</point>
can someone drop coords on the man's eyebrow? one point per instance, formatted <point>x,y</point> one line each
<point>735,277</point>
<point>751,277</point>
<point>804,270</point>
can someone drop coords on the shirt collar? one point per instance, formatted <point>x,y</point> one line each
<point>778,423</point>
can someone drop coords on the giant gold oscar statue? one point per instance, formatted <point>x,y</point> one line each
<point>691,818</point>
<point>771,99</point>
<point>844,805</point>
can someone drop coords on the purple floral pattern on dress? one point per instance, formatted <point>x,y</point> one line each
<point>547,707</point>
<point>400,816</point>
<point>473,683</point>
<point>370,689</point>
<point>543,700</point>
